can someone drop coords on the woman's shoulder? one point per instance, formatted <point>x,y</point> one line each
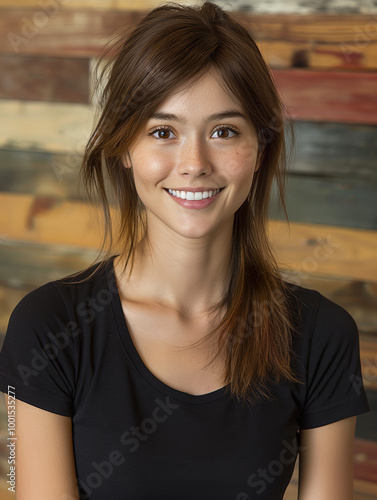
<point>56,296</point>
<point>317,309</point>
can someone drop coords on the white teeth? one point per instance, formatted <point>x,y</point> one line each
<point>190,195</point>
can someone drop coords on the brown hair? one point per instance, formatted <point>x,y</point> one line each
<point>172,45</point>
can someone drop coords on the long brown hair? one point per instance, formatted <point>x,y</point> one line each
<point>172,45</point>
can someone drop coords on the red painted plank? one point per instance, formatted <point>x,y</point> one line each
<point>365,460</point>
<point>344,97</point>
<point>44,78</point>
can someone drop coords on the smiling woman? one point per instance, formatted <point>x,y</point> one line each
<point>182,365</point>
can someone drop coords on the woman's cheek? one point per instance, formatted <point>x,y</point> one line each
<point>240,166</point>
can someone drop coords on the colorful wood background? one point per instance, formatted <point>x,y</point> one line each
<point>323,56</point>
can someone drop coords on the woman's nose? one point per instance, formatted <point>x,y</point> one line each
<point>194,158</point>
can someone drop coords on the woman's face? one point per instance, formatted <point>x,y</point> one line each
<point>194,161</point>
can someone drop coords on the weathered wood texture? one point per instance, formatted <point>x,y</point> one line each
<point>318,40</point>
<point>35,126</point>
<point>87,4</point>
<point>344,201</point>
<point>286,41</point>
<point>270,6</point>
<point>328,96</point>
<point>31,265</point>
<point>44,78</point>
<point>325,250</point>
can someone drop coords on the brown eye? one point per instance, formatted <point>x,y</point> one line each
<point>224,133</point>
<point>163,134</point>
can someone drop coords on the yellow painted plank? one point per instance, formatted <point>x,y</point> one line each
<point>45,126</point>
<point>280,54</point>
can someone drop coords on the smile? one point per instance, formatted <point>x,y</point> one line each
<point>193,196</point>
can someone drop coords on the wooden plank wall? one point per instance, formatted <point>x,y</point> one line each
<point>323,56</point>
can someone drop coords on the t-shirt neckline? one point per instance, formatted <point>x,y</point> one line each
<point>136,360</point>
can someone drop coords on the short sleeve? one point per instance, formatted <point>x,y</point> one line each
<point>37,357</point>
<point>334,386</point>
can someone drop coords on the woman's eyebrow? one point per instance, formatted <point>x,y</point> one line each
<point>216,116</point>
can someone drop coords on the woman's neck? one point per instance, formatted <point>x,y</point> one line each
<point>188,275</point>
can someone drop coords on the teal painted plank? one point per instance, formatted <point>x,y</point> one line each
<point>33,264</point>
<point>29,172</point>
<point>346,201</point>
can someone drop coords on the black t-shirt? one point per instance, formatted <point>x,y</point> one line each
<point>67,350</point>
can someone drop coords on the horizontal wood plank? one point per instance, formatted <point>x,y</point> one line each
<point>71,33</point>
<point>49,219</point>
<point>335,150</point>
<point>345,97</point>
<point>86,4</point>
<point>331,6</point>
<point>338,201</point>
<point>347,56</point>
<point>40,173</point>
<point>28,265</point>
<point>75,31</point>
<point>44,78</point>
<point>39,126</point>
<point>309,249</point>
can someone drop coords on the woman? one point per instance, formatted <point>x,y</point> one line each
<point>182,366</point>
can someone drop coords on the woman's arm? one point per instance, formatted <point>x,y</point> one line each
<point>326,462</point>
<point>45,465</point>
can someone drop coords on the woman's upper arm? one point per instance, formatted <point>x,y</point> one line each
<point>326,461</point>
<point>45,465</point>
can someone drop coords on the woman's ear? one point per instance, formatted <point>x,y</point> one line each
<point>126,160</point>
<point>259,157</point>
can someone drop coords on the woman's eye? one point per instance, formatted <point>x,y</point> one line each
<point>162,133</point>
<point>224,133</point>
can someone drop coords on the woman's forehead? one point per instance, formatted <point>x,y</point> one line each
<point>208,90</point>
